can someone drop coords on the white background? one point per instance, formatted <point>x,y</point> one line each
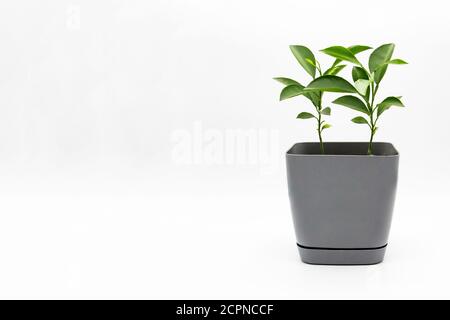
<point>93,202</point>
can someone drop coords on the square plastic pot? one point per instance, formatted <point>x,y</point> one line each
<point>342,201</point>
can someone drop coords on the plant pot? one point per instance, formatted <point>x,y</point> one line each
<point>342,201</point>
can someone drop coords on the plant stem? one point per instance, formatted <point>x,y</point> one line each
<point>372,133</point>
<point>373,129</point>
<point>373,90</point>
<point>319,123</point>
<point>319,112</point>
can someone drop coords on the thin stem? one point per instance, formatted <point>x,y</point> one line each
<point>319,123</point>
<point>322,150</point>
<point>319,68</point>
<point>372,133</point>
<point>319,113</point>
<point>373,89</point>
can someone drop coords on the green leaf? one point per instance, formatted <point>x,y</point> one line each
<point>326,111</point>
<point>358,48</point>
<point>378,60</point>
<point>359,73</point>
<point>311,62</point>
<point>361,85</point>
<point>305,115</point>
<point>353,49</point>
<point>394,61</point>
<point>335,63</point>
<point>360,120</point>
<point>331,84</point>
<point>341,53</point>
<point>287,81</point>
<point>314,97</point>
<point>352,102</point>
<point>325,126</point>
<point>294,89</point>
<point>302,53</point>
<point>335,70</point>
<point>387,103</point>
<point>360,77</point>
<point>291,91</point>
<point>397,61</point>
<point>380,56</point>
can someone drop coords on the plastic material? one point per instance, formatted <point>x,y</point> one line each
<point>342,257</point>
<point>342,201</point>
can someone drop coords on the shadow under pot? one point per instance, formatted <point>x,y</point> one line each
<point>342,201</point>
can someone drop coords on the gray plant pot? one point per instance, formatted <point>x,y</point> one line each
<point>342,201</point>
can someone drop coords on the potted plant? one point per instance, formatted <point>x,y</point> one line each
<point>342,193</point>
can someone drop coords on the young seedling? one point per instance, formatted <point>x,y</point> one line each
<point>366,83</point>
<point>293,88</point>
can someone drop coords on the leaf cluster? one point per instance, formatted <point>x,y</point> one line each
<point>359,94</point>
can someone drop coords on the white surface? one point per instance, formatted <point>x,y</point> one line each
<point>96,201</point>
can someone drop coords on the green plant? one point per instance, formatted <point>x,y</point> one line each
<point>366,84</point>
<point>309,63</point>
